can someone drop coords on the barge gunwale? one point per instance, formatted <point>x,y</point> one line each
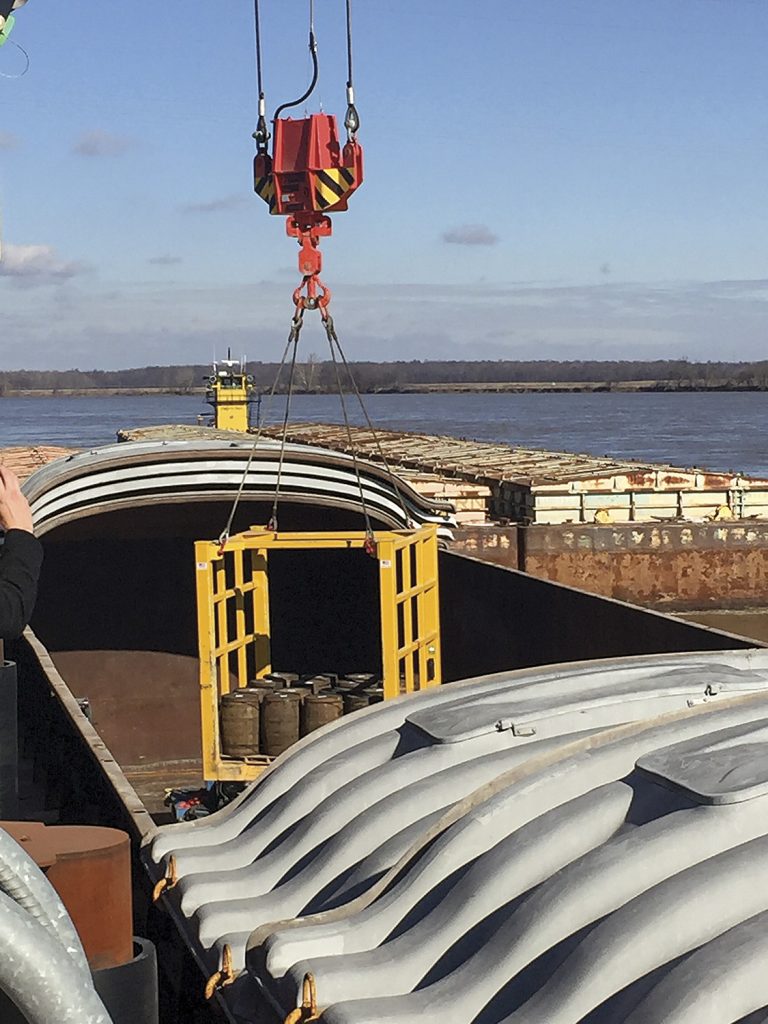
<point>143,828</point>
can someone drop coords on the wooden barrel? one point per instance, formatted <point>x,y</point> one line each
<point>361,678</point>
<point>346,686</point>
<point>354,702</point>
<point>319,709</point>
<point>239,717</point>
<point>261,686</point>
<point>280,721</point>
<point>282,680</point>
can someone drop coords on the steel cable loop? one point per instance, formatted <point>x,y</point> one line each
<point>293,337</point>
<point>331,334</point>
<point>377,441</point>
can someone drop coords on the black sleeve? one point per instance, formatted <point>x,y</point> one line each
<point>20,560</point>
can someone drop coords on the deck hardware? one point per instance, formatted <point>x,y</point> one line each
<point>224,976</point>
<point>308,1009</point>
<point>507,725</point>
<point>169,882</point>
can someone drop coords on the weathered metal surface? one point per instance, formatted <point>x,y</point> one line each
<point>670,566</point>
<point>673,566</point>
<point>181,432</point>
<point>92,874</point>
<point>55,728</point>
<point>497,544</point>
<point>552,487</point>
<point>25,460</point>
<point>134,475</point>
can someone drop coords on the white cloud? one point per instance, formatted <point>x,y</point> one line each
<point>165,261</point>
<point>33,265</point>
<point>88,324</point>
<point>470,234</point>
<point>214,205</point>
<point>99,143</point>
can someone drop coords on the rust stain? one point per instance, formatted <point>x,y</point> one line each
<point>676,568</point>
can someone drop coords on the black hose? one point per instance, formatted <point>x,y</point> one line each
<point>315,69</point>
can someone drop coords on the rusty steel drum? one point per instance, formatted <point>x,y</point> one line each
<point>240,717</point>
<point>280,720</point>
<point>319,709</point>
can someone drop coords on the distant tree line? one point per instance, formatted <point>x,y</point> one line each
<point>315,375</point>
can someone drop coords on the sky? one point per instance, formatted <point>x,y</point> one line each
<point>554,179</point>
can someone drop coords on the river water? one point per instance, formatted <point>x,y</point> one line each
<point>716,431</point>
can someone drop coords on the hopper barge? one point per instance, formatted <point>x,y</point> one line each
<point>386,857</point>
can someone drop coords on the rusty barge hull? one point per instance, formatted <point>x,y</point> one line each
<point>675,567</point>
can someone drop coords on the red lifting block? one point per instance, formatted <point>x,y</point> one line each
<point>310,172</point>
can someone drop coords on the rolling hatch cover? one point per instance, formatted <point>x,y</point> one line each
<point>712,773</point>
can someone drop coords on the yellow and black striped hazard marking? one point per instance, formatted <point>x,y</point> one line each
<point>265,187</point>
<point>332,184</point>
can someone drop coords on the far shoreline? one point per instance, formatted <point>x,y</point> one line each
<point>512,387</point>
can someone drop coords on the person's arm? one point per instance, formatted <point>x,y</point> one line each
<point>20,560</point>
<point>21,557</point>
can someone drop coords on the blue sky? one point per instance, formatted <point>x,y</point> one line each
<point>544,179</point>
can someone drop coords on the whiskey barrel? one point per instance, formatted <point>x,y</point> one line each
<point>280,720</point>
<point>239,718</point>
<point>319,709</point>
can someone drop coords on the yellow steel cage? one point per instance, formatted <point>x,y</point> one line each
<point>234,621</point>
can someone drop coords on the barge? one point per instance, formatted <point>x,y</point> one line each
<point>110,720</point>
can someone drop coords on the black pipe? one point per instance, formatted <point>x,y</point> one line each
<point>129,992</point>
<point>9,743</point>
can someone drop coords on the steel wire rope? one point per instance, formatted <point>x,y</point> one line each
<point>349,43</point>
<point>294,336</point>
<point>296,325</point>
<point>261,135</point>
<point>331,335</point>
<point>334,339</point>
<point>257,27</point>
<point>352,118</point>
<point>315,67</point>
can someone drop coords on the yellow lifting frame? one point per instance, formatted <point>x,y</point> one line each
<point>234,626</point>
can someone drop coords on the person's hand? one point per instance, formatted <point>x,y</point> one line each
<point>15,513</point>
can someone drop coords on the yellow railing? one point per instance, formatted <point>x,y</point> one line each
<point>234,624</point>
